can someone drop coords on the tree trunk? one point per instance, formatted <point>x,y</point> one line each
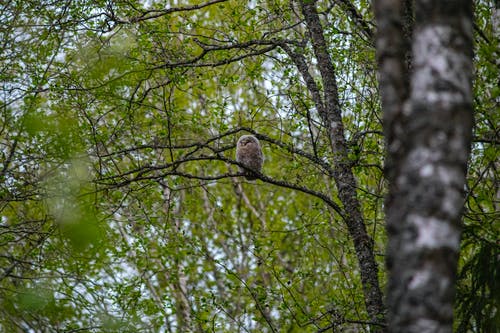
<point>330,113</point>
<point>428,131</point>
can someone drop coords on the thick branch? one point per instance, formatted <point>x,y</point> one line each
<point>198,146</point>
<point>194,155</point>
<point>303,68</point>
<point>168,170</point>
<point>196,61</point>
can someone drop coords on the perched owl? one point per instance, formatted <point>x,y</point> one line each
<point>249,153</point>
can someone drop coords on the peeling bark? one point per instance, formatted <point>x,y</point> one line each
<point>428,127</point>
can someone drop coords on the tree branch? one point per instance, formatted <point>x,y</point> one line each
<point>142,174</point>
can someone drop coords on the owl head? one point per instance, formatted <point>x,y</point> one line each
<point>248,139</point>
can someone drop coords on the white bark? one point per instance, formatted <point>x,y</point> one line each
<point>428,126</point>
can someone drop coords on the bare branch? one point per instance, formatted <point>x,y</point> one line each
<point>206,49</point>
<point>351,10</point>
<point>152,14</point>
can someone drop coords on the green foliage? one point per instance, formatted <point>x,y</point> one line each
<point>120,209</point>
<point>478,291</point>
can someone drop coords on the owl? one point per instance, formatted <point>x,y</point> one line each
<point>249,153</point>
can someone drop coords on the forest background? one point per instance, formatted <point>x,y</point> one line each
<point>121,206</point>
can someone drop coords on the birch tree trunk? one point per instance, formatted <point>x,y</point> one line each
<point>428,127</point>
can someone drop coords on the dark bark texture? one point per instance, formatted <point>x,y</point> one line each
<point>428,128</point>
<point>330,112</point>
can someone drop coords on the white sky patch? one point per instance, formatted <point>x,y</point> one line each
<point>434,233</point>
